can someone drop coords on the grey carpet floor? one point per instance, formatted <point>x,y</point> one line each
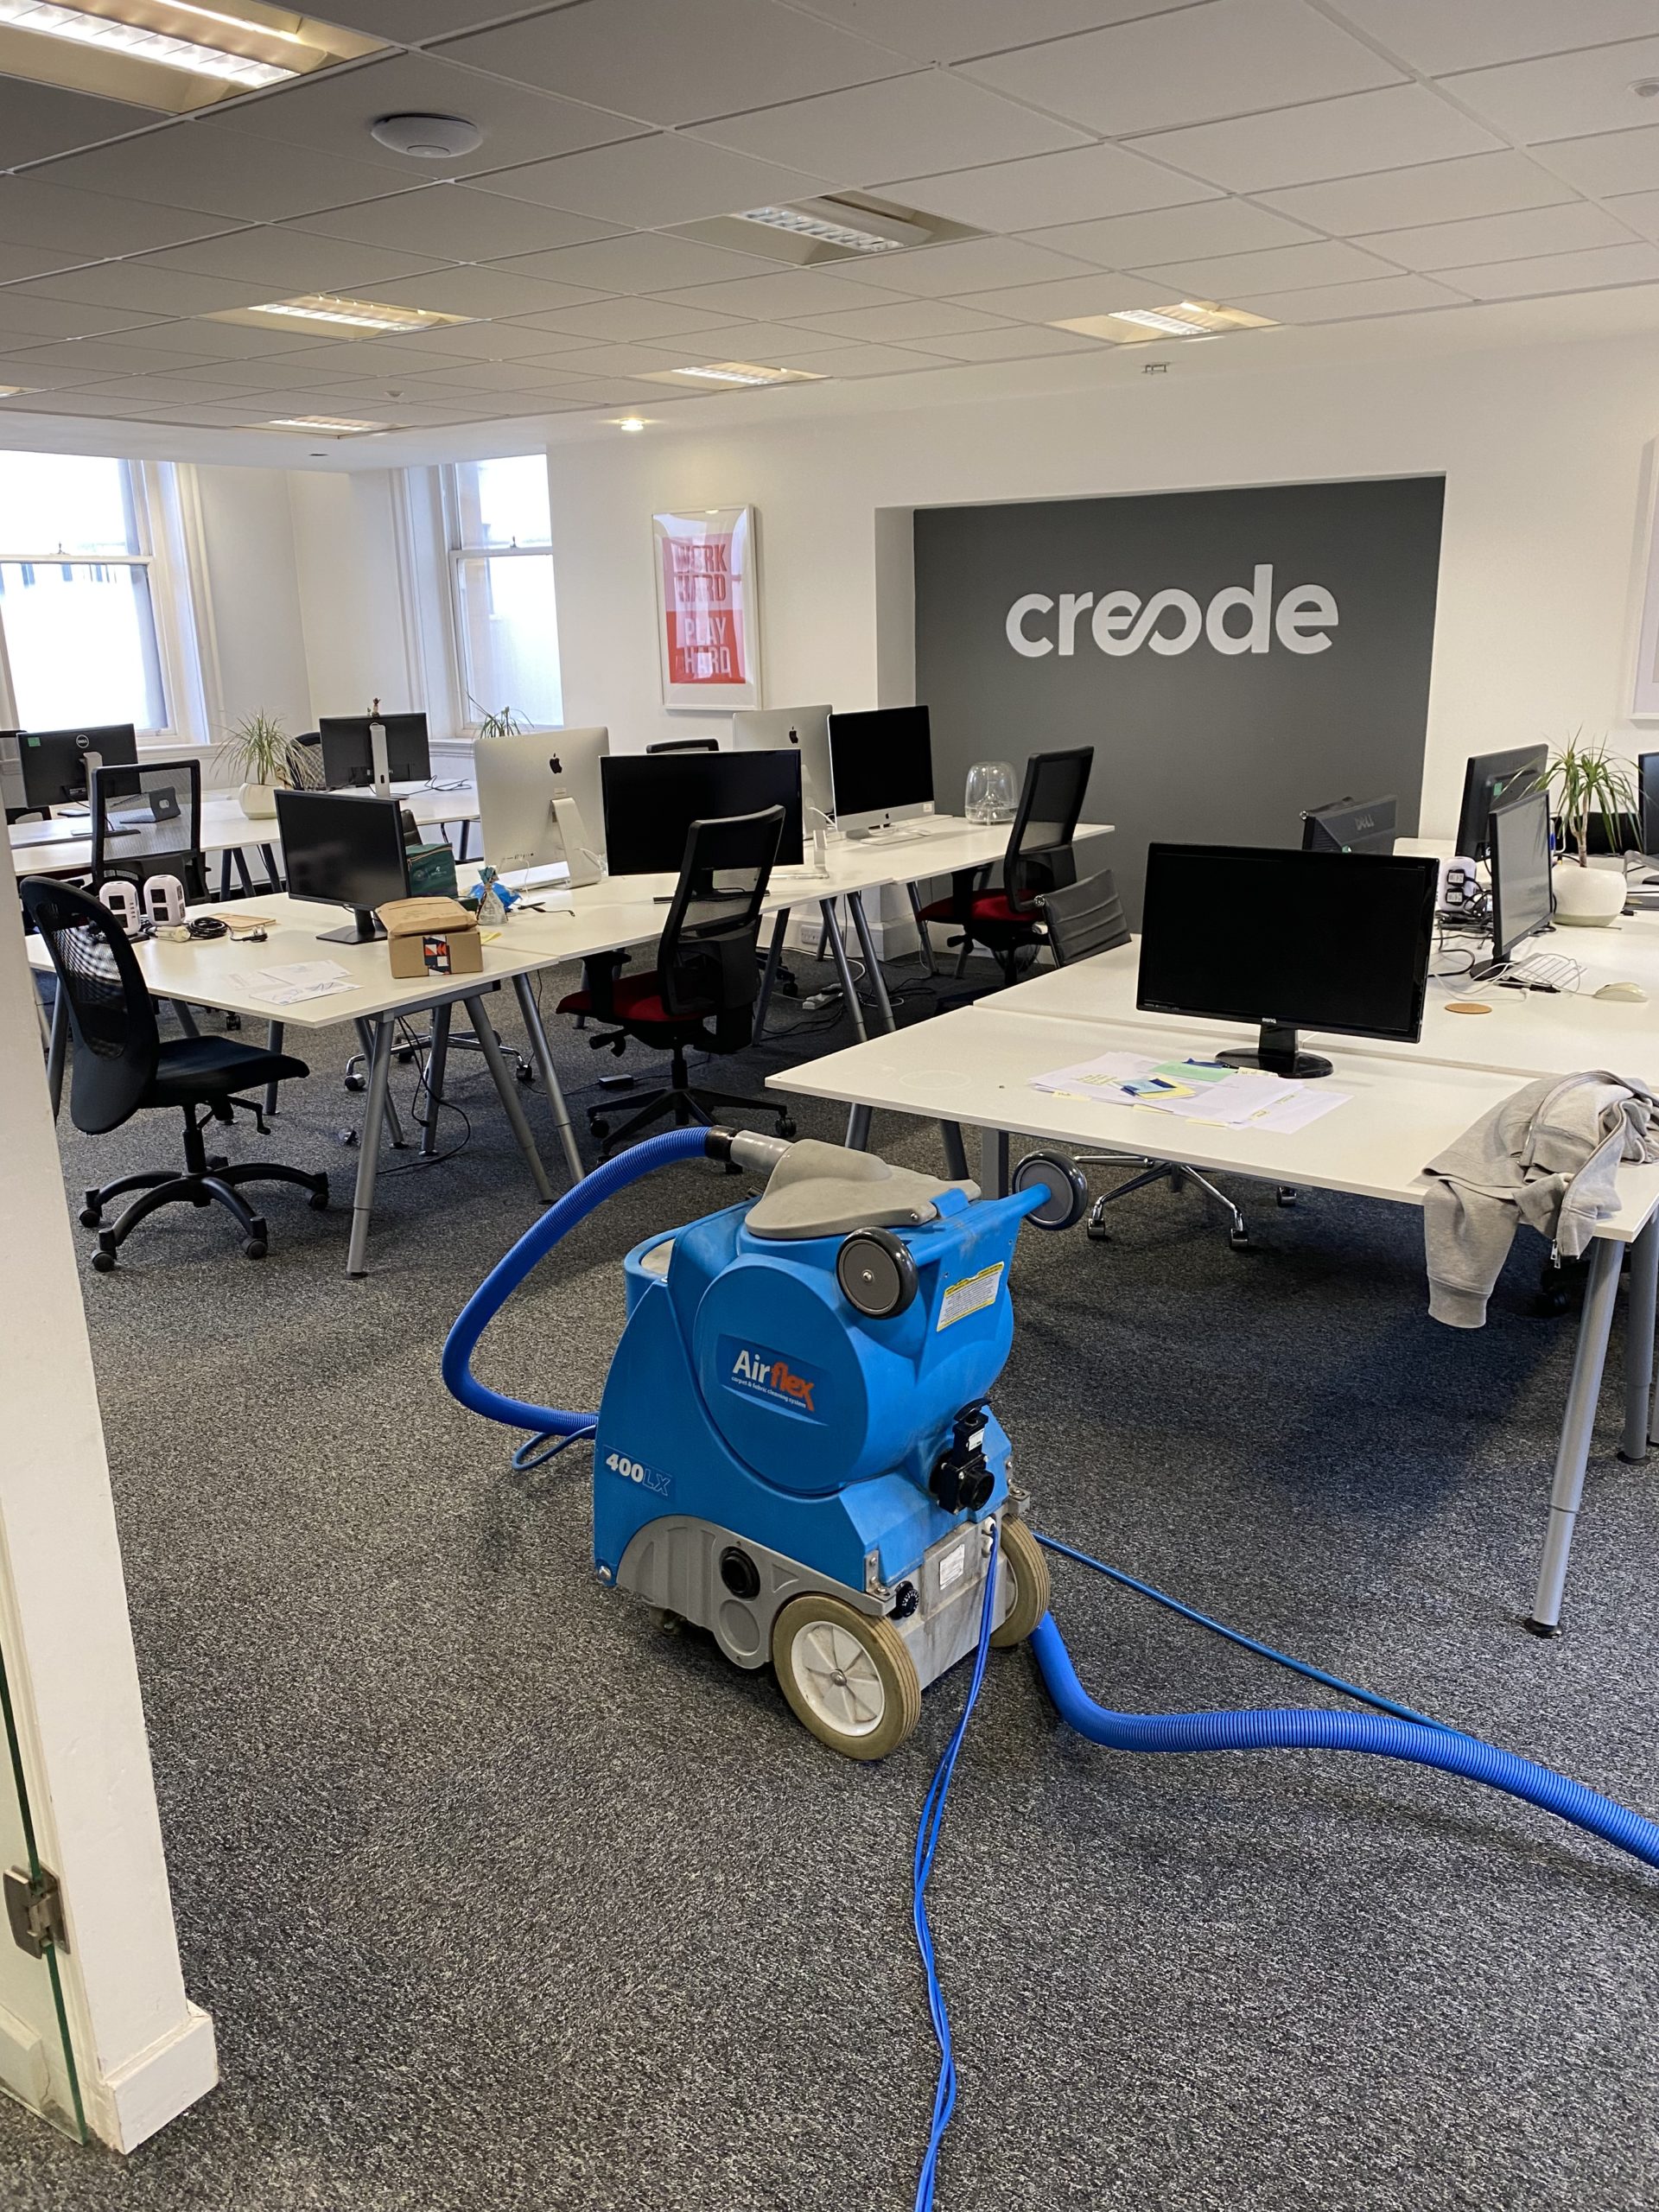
<point>503,1901</point>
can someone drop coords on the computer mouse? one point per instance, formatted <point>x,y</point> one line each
<point>1628,994</point>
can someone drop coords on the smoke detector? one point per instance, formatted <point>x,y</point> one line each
<point>427,137</point>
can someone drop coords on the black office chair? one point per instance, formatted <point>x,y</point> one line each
<point>705,973</point>
<point>1038,859</point>
<point>685,745</point>
<point>121,1067</point>
<point>147,822</point>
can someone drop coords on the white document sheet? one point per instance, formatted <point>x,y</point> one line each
<point>286,984</point>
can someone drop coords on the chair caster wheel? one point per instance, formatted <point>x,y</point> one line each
<point>91,1216</point>
<point>254,1248</point>
<point>355,1081</point>
<point>525,1075</point>
<point>103,1261</point>
<point>786,1128</point>
<point>600,1128</point>
<point>1287,1197</point>
<point>348,1137</point>
<point>1239,1239</point>
<point>405,1055</point>
<point>1097,1234</point>
<point>318,1200</point>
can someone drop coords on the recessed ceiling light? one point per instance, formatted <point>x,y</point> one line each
<point>11,390</point>
<point>1185,319</point>
<point>733,373</point>
<point>826,221</point>
<point>427,137</point>
<point>50,20</point>
<point>173,54</point>
<point>359,316</point>
<point>339,425</point>
<point>632,423</point>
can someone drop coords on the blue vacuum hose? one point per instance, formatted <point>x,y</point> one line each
<point>1290,1729</point>
<point>534,1245</point>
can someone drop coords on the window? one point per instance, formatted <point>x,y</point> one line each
<point>501,573</point>
<point>78,638</point>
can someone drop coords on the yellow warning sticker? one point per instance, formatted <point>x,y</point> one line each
<point>971,1295</point>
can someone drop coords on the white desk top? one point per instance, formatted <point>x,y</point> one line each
<point>63,845</point>
<point>975,1066</point>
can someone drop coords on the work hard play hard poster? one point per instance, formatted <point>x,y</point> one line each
<point>707,631</point>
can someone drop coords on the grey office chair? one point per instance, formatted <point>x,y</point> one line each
<point>1082,919</point>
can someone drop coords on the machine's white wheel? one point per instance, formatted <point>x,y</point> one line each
<point>848,1675</point>
<point>1028,1571</point>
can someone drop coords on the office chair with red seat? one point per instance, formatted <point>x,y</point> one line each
<point>705,973</point>
<point>1038,859</point>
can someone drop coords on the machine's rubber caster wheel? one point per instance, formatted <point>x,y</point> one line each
<point>355,1081</point>
<point>1287,1195</point>
<point>787,1127</point>
<point>103,1261</point>
<point>1028,1571</point>
<point>1097,1233</point>
<point>664,1618</point>
<point>847,1675</point>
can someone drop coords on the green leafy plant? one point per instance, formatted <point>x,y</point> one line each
<point>258,750</point>
<point>1584,781</point>
<point>504,723</point>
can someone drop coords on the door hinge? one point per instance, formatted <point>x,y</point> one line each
<point>34,1910</point>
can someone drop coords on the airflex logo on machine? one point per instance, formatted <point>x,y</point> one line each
<point>1122,623</point>
<point>761,1373</point>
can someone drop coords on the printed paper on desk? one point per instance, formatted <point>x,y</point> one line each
<point>1108,1073</point>
<point>287,985</point>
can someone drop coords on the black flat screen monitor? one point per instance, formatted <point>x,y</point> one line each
<point>340,850</point>
<point>348,751</point>
<point>1521,904</point>
<point>54,761</point>
<point>1489,777</point>
<point>1611,835</point>
<point>1647,779</point>
<point>653,800</point>
<point>1289,940</point>
<point>880,766</point>
<point>1350,826</point>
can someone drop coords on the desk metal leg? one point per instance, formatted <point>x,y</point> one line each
<point>1589,1358</point>
<point>393,1119</point>
<point>466,840</point>
<point>484,1030</point>
<point>273,1044</point>
<point>1638,1342</point>
<point>242,875</point>
<point>225,874</point>
<point>187,1017</point>
<point>994,1166</point>
<point>437,1061</point>
<point>858,1128</point>
<point>43,1025</point>
<point>273,873</point>
<point>769,977</point>
<point>848,989</point>
<point>867,946</point>
<point>57,1047</point>
<point>377,1043</point>
<point>921,930</point>
<point>955,1153</point>
<point>524,991</point>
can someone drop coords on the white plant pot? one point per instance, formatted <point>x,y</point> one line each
<point>258,800</point>
<point>1588,898</point>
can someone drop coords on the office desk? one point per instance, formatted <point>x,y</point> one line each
<point>975,1067</point>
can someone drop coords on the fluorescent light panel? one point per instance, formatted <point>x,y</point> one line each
<point>733,373</point>
<point>338,426</point>
<point>173,54</point>
<point>830,229</point>
<point>1185,319</point>
<point>361,316</point>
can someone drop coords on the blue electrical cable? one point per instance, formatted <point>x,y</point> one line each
<point>927,1843</point>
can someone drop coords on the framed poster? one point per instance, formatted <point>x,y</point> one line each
<point>1644,688</point>
<point>707,609</point>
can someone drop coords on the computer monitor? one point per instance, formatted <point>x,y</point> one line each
<point>1349,825</point>
<point>56,763</point>
<point>13,795</point>
<point>340,850</point>
<point>1647,783</point>
<point>538,801</point>
<point>1289,940</point>
<point>650,802</point>
<point>1489,777</point>
<point>770,729</point>
<point>685,745</point>
<point>348,750</point>
<point>1522,900</point>
<point>881,767</point>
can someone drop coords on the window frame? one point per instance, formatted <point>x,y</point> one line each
<point>457,551</point>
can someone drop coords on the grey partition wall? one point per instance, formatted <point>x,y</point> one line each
<point>1234,656</point>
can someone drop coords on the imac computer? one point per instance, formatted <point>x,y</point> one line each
<point>881,767</point>
<point>1289,940</point>
<point>1350,826</point>
<point>650,802</point>
<point>538,803</point>
<point>1489,777</point>
<point>806,729</point>
<point>340,850</point>
<point>54,765</point>
<point>1522,899</point>
<point>352,751</point>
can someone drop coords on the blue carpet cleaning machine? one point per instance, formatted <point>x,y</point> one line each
<point>796,1452</point>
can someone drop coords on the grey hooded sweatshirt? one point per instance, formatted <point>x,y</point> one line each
<point>1549,1156</point>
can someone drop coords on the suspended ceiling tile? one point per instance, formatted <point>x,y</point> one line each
<point>906,126</point>
<point>783,297</point>
<point>955,30</point>
<point>1070,298</point>
<point>642,260</point>
<point>1560,272</point>
<point>671,64</point>
<point>936,272</point>
<point>1074,186</point>
<point>1437,192</point>
<point>145,389</point>
<point>20,261</point>
<point>23,309</point>
<point>449,222</point>
<point>49,368</point>
<point>850,361</point>
<point>1533,231</point>
<point>495,290</point>
<point>1616,161</point>
<point>905,320</point>
<point>229,341</point>
<point>195,163</point>
<point>632,360</point>
<point>1209,226</point>
<point>80,359</point>
<point>652,182</point>
<point>1564,95</point>
<point>276,261</point>
<point>136,285</point>
<point>629,320</point>
<point>90,225</point>
<point>1438,36</point>
<point>1281,269</point>
<point>1639,209</point>
<point>37,121</point>
<point>1343,137</point>
<point>376,356</point>
<point>1027,342</point>
<point>411,22</point>
<point>1353,302</point>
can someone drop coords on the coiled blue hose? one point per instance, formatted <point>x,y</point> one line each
<point>1290,1729</point>
<point>534,1245</point>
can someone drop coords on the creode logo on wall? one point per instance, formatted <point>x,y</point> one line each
<point>1121,622</point>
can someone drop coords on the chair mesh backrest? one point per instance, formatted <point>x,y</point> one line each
<point>1083,919</point>
<point>111,1015</point>
<point>147,821</point>
<point>705,954</point>
<point>305,761</point>
<point>1039,857</point>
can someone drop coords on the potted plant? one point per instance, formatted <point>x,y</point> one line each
<point>504,723</point>
<point>262,755</point>
<point>1583,781</point>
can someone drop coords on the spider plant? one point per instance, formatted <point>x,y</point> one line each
<point>1584,781</point>
<point>502,723</point>
<point>258,750</point>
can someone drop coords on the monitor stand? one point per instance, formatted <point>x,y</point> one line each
<point>379,762</point>
<point>363,929</point>
<point>1276,1053</point>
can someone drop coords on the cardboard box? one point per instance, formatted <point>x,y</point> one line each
<point>431,936</point>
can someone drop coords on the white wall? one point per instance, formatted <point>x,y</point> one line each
<point>350,560</point>
<point>1543,451</point>
<point>253,644</point>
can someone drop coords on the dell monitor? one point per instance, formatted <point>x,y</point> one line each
<point>1489,777</point>
<point>55,764</point>
<point>1290,941</point>
<point>806,729</point>
<point>881,767</point>
<point>1522,899</point>
<point>348,761</point>
<point>538,801</point>
<point>340,850</point>
<point>1349,825</point>
<point>650,802</point>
